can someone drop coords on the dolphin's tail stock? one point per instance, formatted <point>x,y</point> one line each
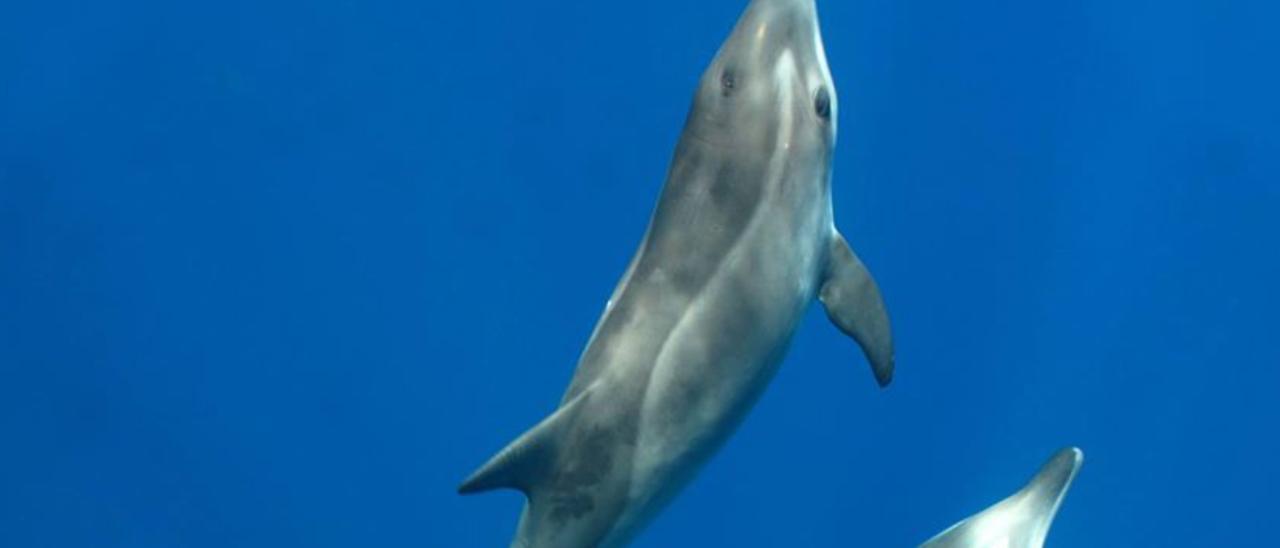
<point>1023,519</point>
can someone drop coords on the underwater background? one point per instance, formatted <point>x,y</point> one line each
<point>284,273</point>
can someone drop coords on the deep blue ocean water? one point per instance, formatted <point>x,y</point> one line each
<point>283,273</point>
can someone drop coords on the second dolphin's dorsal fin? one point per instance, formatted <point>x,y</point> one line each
<point>1023,519</point>
<point>852,300</point>
<point>523,462</point>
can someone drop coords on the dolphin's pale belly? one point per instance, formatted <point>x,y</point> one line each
<point>717,357</point>
<point>696,330</point>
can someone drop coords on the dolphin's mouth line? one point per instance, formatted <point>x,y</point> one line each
<point>698,137</point>
<point>730,145</point>
<point>693,130</point>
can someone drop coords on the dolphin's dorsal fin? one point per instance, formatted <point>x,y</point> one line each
<point>522,462</point>
<point>853,303</point>
<point>1023,519</point>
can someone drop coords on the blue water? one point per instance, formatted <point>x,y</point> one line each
<point>283,273</point>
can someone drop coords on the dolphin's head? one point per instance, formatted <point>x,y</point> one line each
<point>769,87</point>
<point>1022,519</point>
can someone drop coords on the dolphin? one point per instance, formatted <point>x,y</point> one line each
<point>1023,519</point>
<point>741,241</point>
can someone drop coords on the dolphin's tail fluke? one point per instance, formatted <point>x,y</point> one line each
<point>521,463</point>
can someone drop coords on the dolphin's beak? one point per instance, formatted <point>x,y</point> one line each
<point>1054,478</point>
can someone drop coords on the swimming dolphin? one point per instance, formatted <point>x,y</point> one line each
<point>741,242</point>
<point>1023,519</point>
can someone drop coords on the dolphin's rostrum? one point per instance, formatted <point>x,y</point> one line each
<point>1023,519</point>
<point>740,243</point>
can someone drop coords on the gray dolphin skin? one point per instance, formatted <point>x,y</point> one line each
<point>741,242</point>
<point>1023,519</point>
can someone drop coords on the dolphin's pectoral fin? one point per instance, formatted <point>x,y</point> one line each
<point>853,303</point>
<point>524,461</point>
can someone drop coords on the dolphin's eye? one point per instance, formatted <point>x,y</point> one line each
<point>727,82</point>
<point>822,104</point>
